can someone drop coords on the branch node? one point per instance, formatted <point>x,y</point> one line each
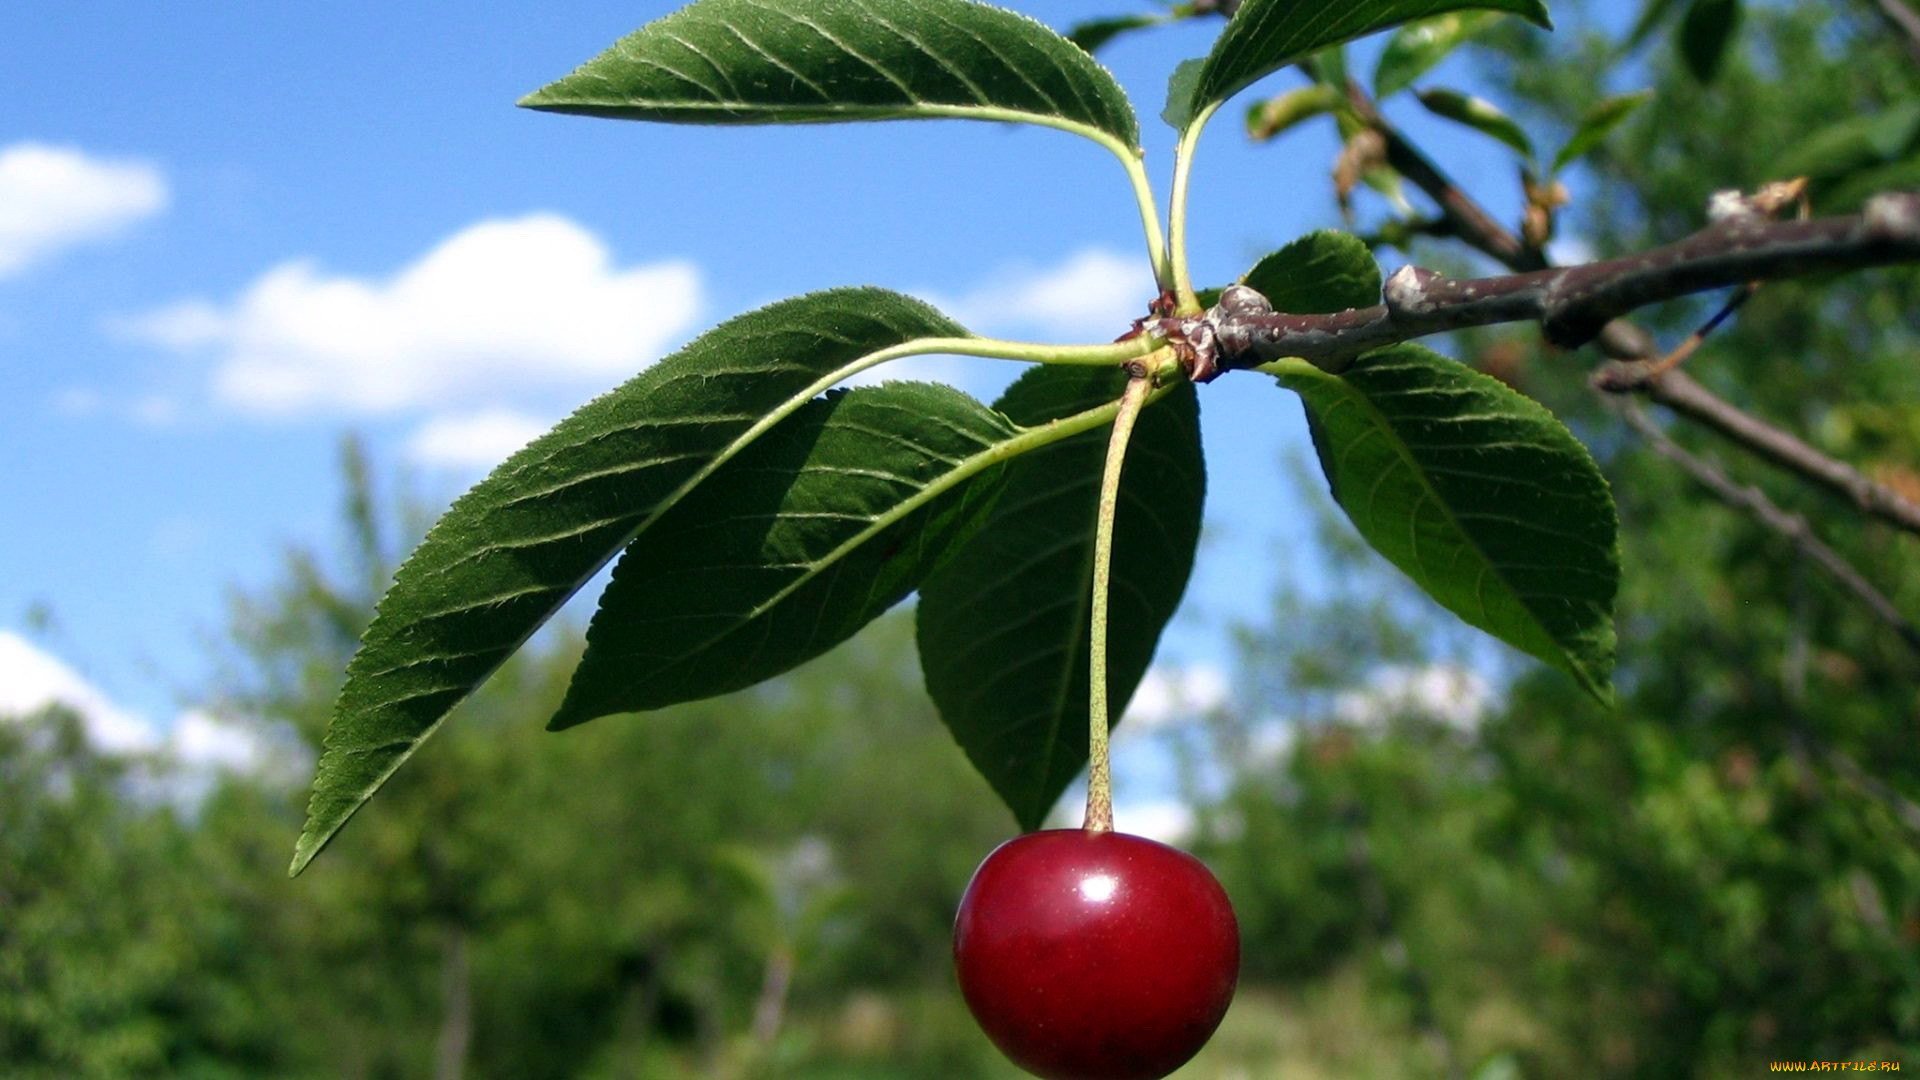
<point>1893,216</point>
<point>1407,291</point>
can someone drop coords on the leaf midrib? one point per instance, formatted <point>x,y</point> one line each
<point>968,467</point>
<point>1434,496</point>
<point>310,843</point>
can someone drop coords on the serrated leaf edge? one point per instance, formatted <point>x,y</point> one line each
<point>1029,438</point>
<point>1294,368</point>
<point>312,840</point>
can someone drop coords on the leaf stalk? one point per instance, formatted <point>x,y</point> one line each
<point>1099,772</point>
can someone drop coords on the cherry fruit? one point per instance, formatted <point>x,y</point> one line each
<point>1096,955</point>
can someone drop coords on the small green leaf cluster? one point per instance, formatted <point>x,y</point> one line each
<point>761,513</point>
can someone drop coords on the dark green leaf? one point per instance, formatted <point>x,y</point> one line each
<point>1004,626</point>
<point>512,550</point>
<point>1267,35</point>
<point>815,61</point>
<point>1597,123</point>
<point>1321,272</point>
<point>1094,33</point>
<point>1481,115</point>
<point>1479,494</point>
<point>1275,115</point>
<point>833,517</point>
<point>1414,49</point>
<point>1705,35</point>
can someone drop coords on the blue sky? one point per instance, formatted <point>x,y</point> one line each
<point>230,232</point>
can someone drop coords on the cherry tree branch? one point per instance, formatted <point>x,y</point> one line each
<point>1631,346</point>
<point>1572,304</point>
<point>1460,216</point>
<point>1792,526</point>
<point>1681,393</point>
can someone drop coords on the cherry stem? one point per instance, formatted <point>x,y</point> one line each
<point>1099,773</point>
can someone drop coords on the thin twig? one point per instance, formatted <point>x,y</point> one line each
<point>1854,773</point>
<point>1463,218</point>
<point>1790,525</point>
<point>1622,341</point>
<point>1680,392</point>
<point>1902,18</point>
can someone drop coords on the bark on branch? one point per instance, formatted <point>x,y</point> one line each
<point>1792,526</point>
<point>1627,343</point>
<point>1572,304</point>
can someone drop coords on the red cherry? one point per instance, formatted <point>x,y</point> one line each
<point>1096,955</point>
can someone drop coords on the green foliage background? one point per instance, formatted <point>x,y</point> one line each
<point>1722,871</point>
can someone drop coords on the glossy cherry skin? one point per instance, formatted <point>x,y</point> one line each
<point>1096,955</point>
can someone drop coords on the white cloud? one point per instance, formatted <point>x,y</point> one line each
<point>1092,296</point>
<point>1270,740</point>
<point>53,198</point>
<point>1571,250</point>
<point>1172,694</point>
<point>203,742</point>
<point>190,754</point>
<point>475,440</point>
<point>1452,695</point>
<point>499,308</point>
<point>32,680</point>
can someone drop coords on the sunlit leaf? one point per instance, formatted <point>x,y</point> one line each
<point>1597,123</point>
<point>1479,114</point>
<point>512,550</point>
<point>1415,48</point>
<point>816,61</point>
<point>1478,494</point>
<point>1267,35</point>
<point>830,519</point>
<point>1178,112</point>
<point>1320,272</point>
<point>1275,115</point>
<point>1004,626</point>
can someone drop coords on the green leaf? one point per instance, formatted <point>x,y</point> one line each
<point>1320,272</point>
<point>790,548</point>
<point>1850,193</point>
<point>1853,143</point>
<point>816,61</point>
<point>1652,14</point>
<point>1271,117</point>
<point>1597,123</point>
<point>1095,33</point>
<point>1329,67</point>
<point>1004,626</point>
<point>1479,114</point>
<point>1414,49</point>
<point>1267,35</point>
<point>1178,112</point>
<point>1705,35</point>
<point>512,550</point>
<point>1479,494</point>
